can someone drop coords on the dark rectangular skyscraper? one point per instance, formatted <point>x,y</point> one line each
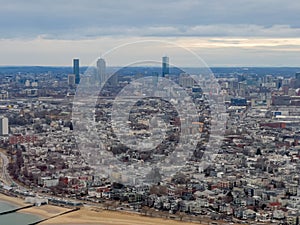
<point>297,82</point>
<point>165,65</point>
<point>76,70</point>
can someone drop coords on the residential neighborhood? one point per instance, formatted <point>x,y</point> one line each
<point>251,176</point>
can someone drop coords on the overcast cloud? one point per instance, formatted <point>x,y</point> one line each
<point>120,21</point>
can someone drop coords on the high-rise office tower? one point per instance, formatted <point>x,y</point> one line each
<point>3,126</point>
<point>165,65</point>
<point>101,70</point>
<point>297,82</point>
<point>71,80</point>
<point>76,70</point>
<point>186,81</point>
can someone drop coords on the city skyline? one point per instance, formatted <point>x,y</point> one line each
<point>80,147</point>
<point>187,111</point>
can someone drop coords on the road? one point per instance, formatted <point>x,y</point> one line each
<point>4,173</point>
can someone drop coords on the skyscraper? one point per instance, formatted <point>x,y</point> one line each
<point>76,70</point>
<point>71,80</point>
<point>3,126</point>
<point>101,70</point>
<point>297,82</point>
<point>165,65</point>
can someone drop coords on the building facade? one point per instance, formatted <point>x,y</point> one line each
<point>101,70</point>
<point>76,70</point>
<point>165,66</point>
<point>71,80</point>
<point>3,126</point>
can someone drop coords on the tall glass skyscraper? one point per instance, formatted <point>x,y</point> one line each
<point>297,83</point>
<point>165,65</point>
<point>76,70</point>
<point>101,70</point>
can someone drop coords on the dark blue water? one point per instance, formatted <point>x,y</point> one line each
<point>15,218</point>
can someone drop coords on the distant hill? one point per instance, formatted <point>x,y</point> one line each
<point>36,69</point>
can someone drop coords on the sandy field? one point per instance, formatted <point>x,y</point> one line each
<point>45,211</point>
<point>16,201</point>
<point>89,216</point>
<point>105,217</point>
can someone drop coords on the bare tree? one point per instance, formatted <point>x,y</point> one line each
<point>145,210</point>
<point>107,205</point>
<point>115,205</point>
<point>180,215</point>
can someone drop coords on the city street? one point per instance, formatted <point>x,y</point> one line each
<point>4,175</point>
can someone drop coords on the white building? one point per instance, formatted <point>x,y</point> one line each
<point>48,181</point>
<point>3,126</point>
<point>27,83</point>
<point>37,201</point>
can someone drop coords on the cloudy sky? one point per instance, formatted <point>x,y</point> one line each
<point>221,32</point>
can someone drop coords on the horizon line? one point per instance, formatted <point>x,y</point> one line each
<point>213,66</point>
